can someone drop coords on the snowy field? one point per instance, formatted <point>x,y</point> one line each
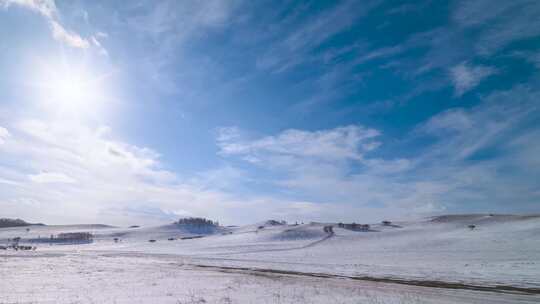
<point>438,260</point>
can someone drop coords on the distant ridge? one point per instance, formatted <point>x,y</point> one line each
<point>480,217</point>
<point>84,226</point>
<point>7,222</point>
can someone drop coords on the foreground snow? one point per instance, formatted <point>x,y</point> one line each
<point>102,278</point>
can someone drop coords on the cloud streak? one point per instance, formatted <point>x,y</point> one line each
<point>48,9</point>
<point>465,77</point>
<point>4,134</point>
<point>51,178</point>
<point>292,48</point>
<point>341,143</point>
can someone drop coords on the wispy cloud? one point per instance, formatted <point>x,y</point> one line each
<point>489,163</point>
<point>98,45</point>
<point>165,32</point>
<point>292,47</point>
<point>69,38</point>
<point>465,76</point>
<point>508,21</point>
<point>477,29</point>
<point>486,127</point>
<point>51,178</point>
<point>341,143</point>
<point>4,134</point>
<point>448,121</point>
<point>176,20</point>
<point>333,167</point>
<point>88,176</point>
<point>383,52</point>
<point>534,58</point>
<point>48,9</point>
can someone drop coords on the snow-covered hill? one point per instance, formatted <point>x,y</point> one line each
<point>499,249</point>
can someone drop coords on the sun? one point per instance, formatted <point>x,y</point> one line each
<point>69,90</point>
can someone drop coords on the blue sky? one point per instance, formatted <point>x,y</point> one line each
<point>145,111</point>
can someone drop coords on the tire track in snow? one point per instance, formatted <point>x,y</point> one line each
<point>421,283</point>
<point>328,236</point>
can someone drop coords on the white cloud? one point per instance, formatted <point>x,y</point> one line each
<point>449,120</point>
<point>492,163</point>
<point>228,134</point>
<point>4,134</point>
<point>465,77</point>
<point>93,178</point>
<point>98,45</point>
<point>341,143</point>
<point>498,25</point>
<point>70,38</point>
<point>91,172</point>
<point>8,182</point>
<point>479,12</point>
<point>380,53</point>
<point>331,167</point>
<point>465,132</point>
<point>51,177</point>
<point>477,28</point>
<point>180,20</point>
<point>48,9</point>
<point>163,31</point>
<point>102,35</point>
<point>535,59</point>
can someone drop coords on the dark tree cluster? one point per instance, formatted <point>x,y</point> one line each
<point>65,238</point>
<point>6,222</point>
<point>275,223</point>
<point>74,236</point>
<point>197,222</point>
<point>355,226</point>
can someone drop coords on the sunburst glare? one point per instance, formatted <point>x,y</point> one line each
<point>70,90</point>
